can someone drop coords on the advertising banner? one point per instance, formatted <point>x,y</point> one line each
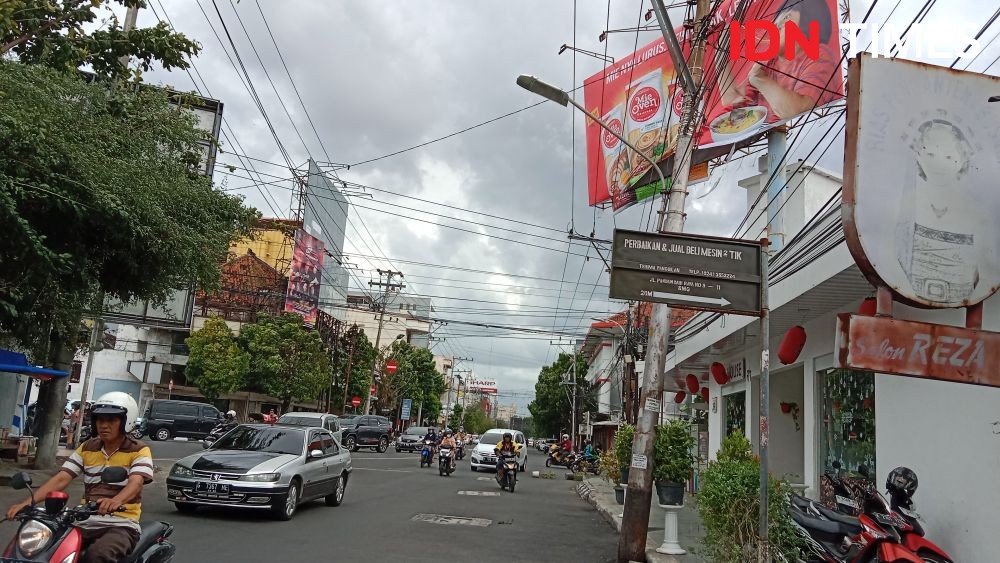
<point>641,95</point>
<point>305,277</point>
<point>406,408</point>
<point>920,177</point>
<point>482,385</point>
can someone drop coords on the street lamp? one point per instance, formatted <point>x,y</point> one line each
<point>561,97</point>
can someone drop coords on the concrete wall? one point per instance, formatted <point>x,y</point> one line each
<point>787,445</point>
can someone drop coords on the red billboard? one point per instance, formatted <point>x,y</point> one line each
<point>305,277</point>
<point>641,95</point>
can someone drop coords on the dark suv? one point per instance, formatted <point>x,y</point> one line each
<point>365,431</point>
<point>165,419</point>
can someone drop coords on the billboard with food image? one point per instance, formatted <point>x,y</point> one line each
<point>641,95</point>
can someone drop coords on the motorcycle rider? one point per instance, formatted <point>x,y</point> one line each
<point>110,535</point>
<point>567,444</point>
<point>432,436</point>
<point>506,446</point>
<point>448,441</point>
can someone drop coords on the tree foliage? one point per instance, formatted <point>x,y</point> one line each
<point>216,364</point>
<point>552,407</point>
<point>61,35</point>
<point>356,350</point>
<point>416,378</point>
<point>476,421</point>
<point>286,360</point>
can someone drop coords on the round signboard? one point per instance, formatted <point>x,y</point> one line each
<point>355,401</point>
<point>920,200</point>
<point>391,366</point>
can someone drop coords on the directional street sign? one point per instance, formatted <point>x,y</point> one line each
<point>687,271</point>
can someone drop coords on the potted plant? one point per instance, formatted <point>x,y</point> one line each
<point>672,460</point>
<point>623,449</point>
<point>607,463</point>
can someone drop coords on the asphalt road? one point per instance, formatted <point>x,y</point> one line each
<point>544,520</point>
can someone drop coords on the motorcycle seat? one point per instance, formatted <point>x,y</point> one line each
<point>147,537</point>
<point>827,528</point>
<point>835,516</point>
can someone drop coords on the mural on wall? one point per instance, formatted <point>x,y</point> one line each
<point>848,419</point>
<point>736,413</point>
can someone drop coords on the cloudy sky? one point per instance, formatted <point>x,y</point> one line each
<point>378,76</point>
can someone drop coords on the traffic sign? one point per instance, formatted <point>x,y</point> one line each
<point>355,401</point>
<point>391,366</point>
<point>687,271</point>
<point>372,392</point>
<point>407,408</point>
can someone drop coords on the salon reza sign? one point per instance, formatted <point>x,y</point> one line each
<point>942,352</point>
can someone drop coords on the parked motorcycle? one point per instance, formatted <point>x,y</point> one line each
<point>220,430</point>
<point>445,467</point>
<point>137,431</point>
<point>507,473</point>
<point>48,533</point>
<point>426,454</point>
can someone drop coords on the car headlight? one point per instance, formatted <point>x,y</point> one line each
<point>179,470</point>
<point>261,477</point>
<point>34,536</point>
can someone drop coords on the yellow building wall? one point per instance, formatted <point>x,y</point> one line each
<point>270,245</point>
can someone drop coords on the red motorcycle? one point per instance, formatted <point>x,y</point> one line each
<point>832,537</point>
<point>49,534</point>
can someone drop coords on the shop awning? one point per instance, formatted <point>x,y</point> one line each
<point>14,362</point>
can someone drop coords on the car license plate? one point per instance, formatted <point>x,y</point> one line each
<point>846,501</point>
<point>211,488</point>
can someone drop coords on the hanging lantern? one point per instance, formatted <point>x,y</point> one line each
<point>704,394</point>
<point>692,383</point>
<point>679,397</point>
<point>719,373</point>
<point>791,345</point>
<point>868,307</point>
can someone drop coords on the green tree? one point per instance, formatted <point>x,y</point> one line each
<point>416,378</point>
<point>455,420</point>
<point>286,360</point>
<point>476,421</point>
<point>355,350</point>
<point>216,363</point>
<point>98,196</point>
<point>62,35</point>
<point>551,410</point>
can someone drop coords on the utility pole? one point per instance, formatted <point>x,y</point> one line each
<point>347,375</point>
<point>388,287</point>
<point>635,517</point>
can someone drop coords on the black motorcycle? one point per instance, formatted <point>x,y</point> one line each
<point>507,474</point>
<point>445,467</point>
<point>220,430</point>
<point>461,450</point>
<point>48,533</point>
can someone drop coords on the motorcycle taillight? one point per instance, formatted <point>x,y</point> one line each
<point>55,501</point>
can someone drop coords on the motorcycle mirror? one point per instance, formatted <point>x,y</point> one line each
<point>114,475</point>
<point>863,471</point>
<point>20,480</point>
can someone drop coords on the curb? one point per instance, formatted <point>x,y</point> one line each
<point>588,493</point>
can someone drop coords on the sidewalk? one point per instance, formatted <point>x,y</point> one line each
<point>9,468</point>
<point>601,495</point>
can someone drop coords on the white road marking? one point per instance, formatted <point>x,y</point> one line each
<point>451,520</point>
<point>389,470</point>
<point>485,478</point>
<point>479,493</point>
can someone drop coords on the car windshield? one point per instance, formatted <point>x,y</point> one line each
<point>416,430</point>
<point>271,440</point>
<point>349,419</point>
<point>492,437</point>
<point>301,420</point>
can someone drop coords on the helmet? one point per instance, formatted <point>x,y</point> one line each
<point>231,414</point>
<point>508,435</point>
<point>901,480</point>
<point>117,404</point>
<point>447,431</point>
<point>565,436</point>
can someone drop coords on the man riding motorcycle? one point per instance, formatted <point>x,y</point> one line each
<point>433,437</point>
<point>566,445</point>
<point>448,441</point>
<point>110,535</point>
<point>506,446</point>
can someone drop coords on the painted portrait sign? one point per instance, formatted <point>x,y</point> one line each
<point>922,180</point>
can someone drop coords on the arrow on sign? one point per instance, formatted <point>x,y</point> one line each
<point>720,301</point>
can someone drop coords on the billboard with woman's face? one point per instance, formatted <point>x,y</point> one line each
<point>922,180</point>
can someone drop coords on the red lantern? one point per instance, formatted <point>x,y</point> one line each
<point>786,408</point>
<point>679,397</point>
<point>704,394</point>
<point>868,307</point>
<point>791,345</point>
<point>719,373</point>
<point>692,383</point>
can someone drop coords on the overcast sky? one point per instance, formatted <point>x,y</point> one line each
<point>377,76</point>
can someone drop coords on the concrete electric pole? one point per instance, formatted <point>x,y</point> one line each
<point>388,287</point>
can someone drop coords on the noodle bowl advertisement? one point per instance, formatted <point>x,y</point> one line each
<point>781,59</point>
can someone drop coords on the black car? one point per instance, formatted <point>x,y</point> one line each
<point>410,440</point>
<point>165,419</point>
<point>365,431</point>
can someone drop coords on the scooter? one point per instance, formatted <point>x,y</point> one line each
<point>426,453</point>
<point>136,432</point>
<point>558,458</point>
<point>461,450</point>
<point>507,474</point>
<point>48,534</point>
<point>445,467</point>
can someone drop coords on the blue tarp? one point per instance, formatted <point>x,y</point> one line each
<point>14,362</point>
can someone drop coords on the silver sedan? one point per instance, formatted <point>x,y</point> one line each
<point>263,467</point>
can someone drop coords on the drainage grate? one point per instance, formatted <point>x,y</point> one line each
<point>451,520</point>
<point>479,493</point>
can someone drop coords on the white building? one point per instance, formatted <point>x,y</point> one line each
<point>405,316</point>
<point>946,432</point>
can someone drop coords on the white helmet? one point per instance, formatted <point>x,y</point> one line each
<point>565,436</point>
<point>231,414</point>
<point>123,400</point>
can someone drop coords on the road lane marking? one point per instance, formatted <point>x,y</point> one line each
<point>389,470</point>
<point>479,493</point>
<point>451,520</point>
<point>485,478</point>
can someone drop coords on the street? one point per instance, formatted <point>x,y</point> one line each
<point>542,521</point>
